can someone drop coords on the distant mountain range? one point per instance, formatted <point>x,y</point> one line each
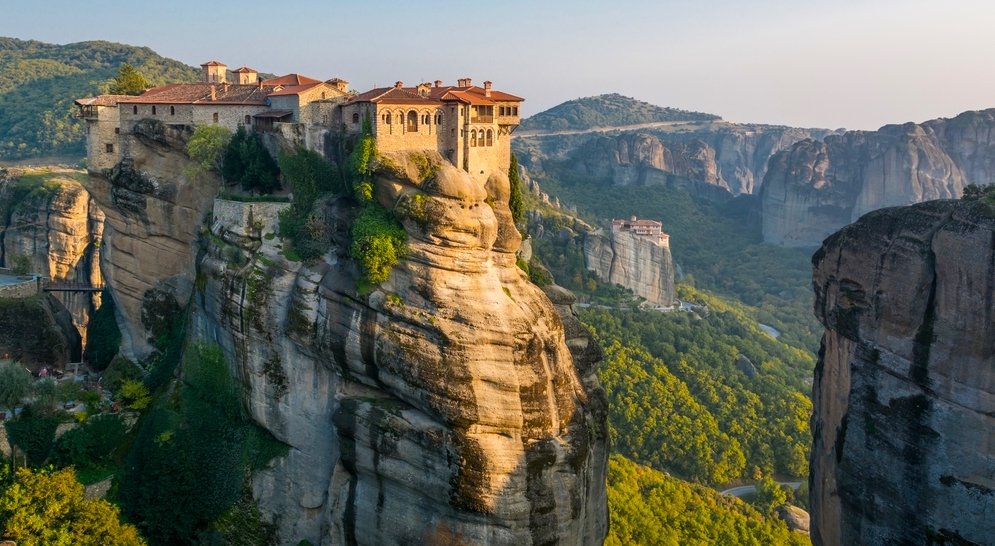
<point>612,110</point>
<point>39,81</point>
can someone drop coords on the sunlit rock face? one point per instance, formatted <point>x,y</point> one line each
<point>153,214</point>
<point>455,401</point>
<point>814,188</point>
<point>642,264</point>
<point>904,393</point>
<point>58,228</point>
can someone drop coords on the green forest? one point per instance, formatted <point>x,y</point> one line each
<point>39,82</point>
<point>611,110</point>
<point>684,413</point>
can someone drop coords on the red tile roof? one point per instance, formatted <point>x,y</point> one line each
<point>409,95</point>
<point>198,93</point>
<point>245,70</point>
<point>290,79</point>
<point>214,63</point>
<point>277,114</point>
<point>296,89</point>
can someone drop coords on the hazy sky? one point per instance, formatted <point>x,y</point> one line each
<point>837,63</point>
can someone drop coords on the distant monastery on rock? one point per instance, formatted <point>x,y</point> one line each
<point>468,125</point>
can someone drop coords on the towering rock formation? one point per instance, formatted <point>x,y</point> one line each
<point>452,402</point>
<point>904,393</point>
<point>51,221</point>
<point>641,263</point>
<point>153,217</point>
<point>814,188</point>
<point>723,162</point>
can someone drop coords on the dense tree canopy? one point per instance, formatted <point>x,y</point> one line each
<point>612,110</point>
<point>647,507</point>
<point>45,508</point>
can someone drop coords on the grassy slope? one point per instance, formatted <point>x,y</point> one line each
<point>611,110</point>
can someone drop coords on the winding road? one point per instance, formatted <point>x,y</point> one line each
<point>744,490</point>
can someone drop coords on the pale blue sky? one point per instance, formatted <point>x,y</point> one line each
<point>837,63</point>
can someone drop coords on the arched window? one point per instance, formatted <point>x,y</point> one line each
<point>172,110</point>
<point>438,118</point>
<point>388,117</point>
<point>490,137</point>
<point>322,95</point>
<point>473,138</point>
<point>480,138</point>
<point>248,120</point>
<point>215,117</point>
<point>412,122</point>
<point>134,109</point>
<point>355,117</point>
<point>153,109</point>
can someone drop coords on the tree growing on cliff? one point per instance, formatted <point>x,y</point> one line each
<point>129,81</point>
<point>206,149</point>
<point>515,202</point>
<point>247,161</point>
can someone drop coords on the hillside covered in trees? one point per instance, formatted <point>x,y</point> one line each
<point>39,81</point>
<point>611,110</point>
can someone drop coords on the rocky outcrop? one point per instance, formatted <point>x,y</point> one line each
<point>904,393</point>
<point>55,225</point>
<point>635,262</point>
<point>716,164</point>
<point>455,401</point>
<point>815,188</point>
<point>38,331</point>
<point>153,214</point>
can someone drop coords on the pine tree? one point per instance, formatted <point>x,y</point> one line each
<point>515,201</point>
<point>129,81</point>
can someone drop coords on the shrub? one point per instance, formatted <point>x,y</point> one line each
<point>90,445</point>
<point>206,148</point>
<point>120,370</point>
<point>134,395</point>
<point>379,242</point>
<point>34,436</point>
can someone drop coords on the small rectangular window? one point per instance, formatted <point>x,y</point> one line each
<point>110,148</point>
<point>117,130</point>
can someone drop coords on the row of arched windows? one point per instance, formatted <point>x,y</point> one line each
<point>481,138</point>
<point>411,119</point>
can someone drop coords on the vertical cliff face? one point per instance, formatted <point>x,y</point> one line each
<point>814,188</point>
<point>904,392</point>
<point>635,262</point>
<point>55,226</point>
<point>729,161</point>
<point>153,213</point>
<point>457,400</point>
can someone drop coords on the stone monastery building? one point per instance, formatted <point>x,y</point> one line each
<point>468,125</point>
<point>648,229</point>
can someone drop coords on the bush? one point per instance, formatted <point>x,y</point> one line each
<point>120,370</point>
<point>379,242</point>
<point>33,435</point>
<point>134,395</point>
<point>90,445</point>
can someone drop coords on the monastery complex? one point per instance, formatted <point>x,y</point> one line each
<point>469,125</point>
<point>650,230</point>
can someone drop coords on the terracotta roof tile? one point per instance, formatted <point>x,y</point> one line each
<point>214,63</point>
<point>245,70</point>
<point>102,100</point>
<point>290,79</point>
<point>200,93</point>
<point>471,95</point>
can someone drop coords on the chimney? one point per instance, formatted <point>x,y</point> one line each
<point>438,83</point>
<point>467,82</point>
<point>487,89</point>
<point>214,95</point>
<point>398,85</point>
